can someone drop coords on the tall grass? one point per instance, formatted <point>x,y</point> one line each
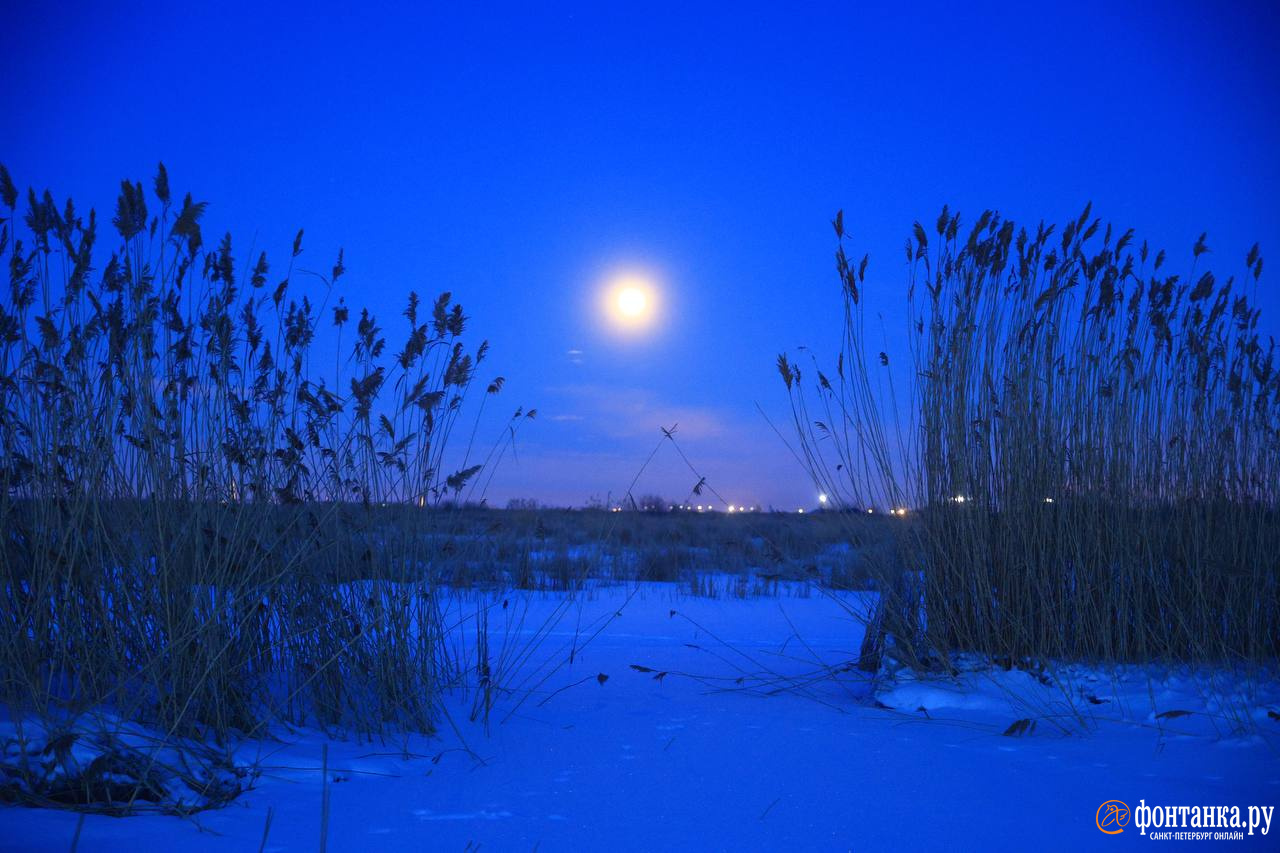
<point>1090,445</point>
<point>195,449</point>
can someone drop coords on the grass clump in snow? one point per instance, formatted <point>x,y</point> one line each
<point>1088,458</point>
<point>195,450</point>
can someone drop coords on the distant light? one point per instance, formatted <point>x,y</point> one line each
<point>959,499</point>
<point>801,510</point>
<point>870,511</point>
<point>1048,500</point>
<point>822,499</point>
<point>730,507</point>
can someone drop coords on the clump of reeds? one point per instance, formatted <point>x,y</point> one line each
<point>1090,453</point>
<point>194,450</point>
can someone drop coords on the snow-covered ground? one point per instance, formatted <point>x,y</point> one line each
<point>730,724</point>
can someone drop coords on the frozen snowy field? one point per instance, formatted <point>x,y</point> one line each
<point>695,760</point>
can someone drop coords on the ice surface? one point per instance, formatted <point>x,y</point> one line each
<point>695,760</point>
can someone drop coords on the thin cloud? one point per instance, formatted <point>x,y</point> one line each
<point>631,412</point>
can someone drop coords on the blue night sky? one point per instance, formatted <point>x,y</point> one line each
<point>517,156</point>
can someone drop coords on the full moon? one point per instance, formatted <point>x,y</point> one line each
<point>630,302</point>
